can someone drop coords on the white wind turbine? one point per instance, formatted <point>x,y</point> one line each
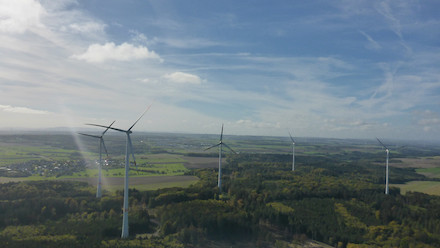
<point>101,145</point>
<point>220,145</point>
<point>293,152</point>
<point>128,151</point>
<point>388,154</point>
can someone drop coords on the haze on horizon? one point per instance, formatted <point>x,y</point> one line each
<point>345,69</point>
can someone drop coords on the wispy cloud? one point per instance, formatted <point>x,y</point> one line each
<point>372,44</point>
<point>85,27</point>
<point>385,10</point>
<point>22,110</point>
<point>427,120</point>
<point>255,124</point>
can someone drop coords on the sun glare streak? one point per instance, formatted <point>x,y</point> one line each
<point>74,133</point>
<point>79,144</point>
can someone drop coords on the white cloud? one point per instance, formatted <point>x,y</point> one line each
<point>97,53</point>
<point>87,27</point>
<point>318,94</point>
<point>19,16</point>
<point>183,78</point>
<point>138,38</point>
<point>258,124</point>
<point>189,43</point>
<point>22,110</point>
<point>427,118</point>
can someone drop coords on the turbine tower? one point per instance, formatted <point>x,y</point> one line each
<point>128,151</point>
<point>388,154</point>
<point>101,145</point>
<point>220,145</point>
<point>293,152</point>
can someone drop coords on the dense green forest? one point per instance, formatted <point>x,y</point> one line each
<point>333,199</point>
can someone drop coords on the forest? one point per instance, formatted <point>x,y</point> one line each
<point>334,199</point>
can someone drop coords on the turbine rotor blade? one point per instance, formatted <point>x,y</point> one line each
<point>131,150</point>
<point>107,129</point>
<point>382,143</point>
<point>211,146</point>
<point>229,148</point>
<point>90,135</point>
<point>221,135</point>
<point>140,117</point>
<point>113,128</point>
<point>103,145</point>
<point>293,141</point>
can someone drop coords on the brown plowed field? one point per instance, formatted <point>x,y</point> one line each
<point>118,181</point>
<point>428,162</point>
<point>201,162</point>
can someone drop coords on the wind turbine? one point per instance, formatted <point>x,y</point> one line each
<point>388,154</point>
<point>128,151</point>
<point>293,152</point>
<point>220,145</point>
<point>101,145</point>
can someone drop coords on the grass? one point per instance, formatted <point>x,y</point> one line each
<point>175,169</point>
<point>430,172</point>
<point>20,154</point>
<point>427,187</point>
<point>281,207</point>
<point>156,170</point>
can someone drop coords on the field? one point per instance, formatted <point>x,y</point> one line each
<point>428,187</point>
<point>335,195</point>
<point>172,155</point>
<point>140,183</point>
<point>43,154</point>
<point>201,162</point>
<point>21,153</point>
<point>433,172</point>
<point>423,162</point>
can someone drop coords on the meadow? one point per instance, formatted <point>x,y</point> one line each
<point>427,187</point>
<point>159,154</point>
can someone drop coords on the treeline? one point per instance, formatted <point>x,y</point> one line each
<point>263,204</point>
<point>62,214</point>
<point>331,201</point>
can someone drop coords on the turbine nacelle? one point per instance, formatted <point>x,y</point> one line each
<point>220,144</point>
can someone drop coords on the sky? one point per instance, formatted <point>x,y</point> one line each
<point>339,69</point>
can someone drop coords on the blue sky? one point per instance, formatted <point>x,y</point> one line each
<point>344,69</point>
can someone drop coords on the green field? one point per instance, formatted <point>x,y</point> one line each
<point>430,172</point>
<point>427,187</point>
<point>19,154</point>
